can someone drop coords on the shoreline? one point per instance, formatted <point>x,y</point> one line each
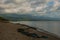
<point>9,31</point>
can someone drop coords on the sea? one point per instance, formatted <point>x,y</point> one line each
<point>50,26</point>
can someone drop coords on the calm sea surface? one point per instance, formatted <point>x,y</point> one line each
<point>51,26</point>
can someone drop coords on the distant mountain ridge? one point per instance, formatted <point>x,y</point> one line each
<point>27,17</point>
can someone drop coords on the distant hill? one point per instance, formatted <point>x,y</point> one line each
<point>27,17</point>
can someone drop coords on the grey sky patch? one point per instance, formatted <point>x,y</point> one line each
<point>58,8</point>
<point>9,1</point>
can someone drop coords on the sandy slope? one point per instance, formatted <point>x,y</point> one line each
<point>8,31</point>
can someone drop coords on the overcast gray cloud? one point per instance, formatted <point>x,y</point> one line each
<point>20,5</point>
<point>42,7</point>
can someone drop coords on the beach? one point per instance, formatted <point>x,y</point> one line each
<point>50,26</point>
<point>8,31</point>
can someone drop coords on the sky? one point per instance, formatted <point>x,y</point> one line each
<point>49,8</point>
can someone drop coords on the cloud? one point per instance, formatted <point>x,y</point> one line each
<point>22,5</point>
<point>19,1</point>
<point>42,7</point>
<point>12,7</point>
